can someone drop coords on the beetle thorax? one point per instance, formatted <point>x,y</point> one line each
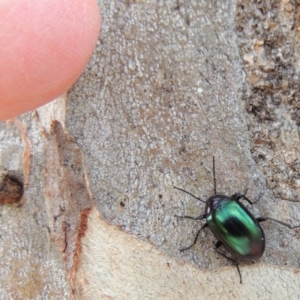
<point>214,202</point>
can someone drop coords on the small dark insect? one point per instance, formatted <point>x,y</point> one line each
<point>233,225</point>
<point>11,189</point>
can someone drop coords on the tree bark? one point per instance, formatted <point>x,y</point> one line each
<point>170,85</point>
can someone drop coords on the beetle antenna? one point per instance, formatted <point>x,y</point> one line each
<point>214,174</point>
<point>199,199</point>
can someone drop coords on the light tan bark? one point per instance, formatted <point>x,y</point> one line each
<point>161,95</point>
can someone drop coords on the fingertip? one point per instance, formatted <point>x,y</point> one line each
<point>44,47</point>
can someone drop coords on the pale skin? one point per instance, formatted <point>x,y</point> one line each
<point>44,47</point>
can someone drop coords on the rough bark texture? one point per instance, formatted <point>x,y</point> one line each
<point>268,37</point>
<point>170,84</point>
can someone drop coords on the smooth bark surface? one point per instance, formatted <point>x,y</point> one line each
<point>162,95</point>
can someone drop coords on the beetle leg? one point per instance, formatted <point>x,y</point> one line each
<point>196,238</point>
<point>262,219</point>
<point>218,245</point>
<point>201,217</point>
<point>238,196</point>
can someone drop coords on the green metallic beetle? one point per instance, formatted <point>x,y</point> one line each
<point>233,225</point>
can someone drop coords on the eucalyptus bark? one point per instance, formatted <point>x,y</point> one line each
<point>170,85</point>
